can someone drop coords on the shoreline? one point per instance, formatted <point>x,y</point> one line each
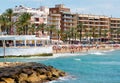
<point>59,50</point>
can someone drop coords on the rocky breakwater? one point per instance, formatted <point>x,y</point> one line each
<point>28,73</point>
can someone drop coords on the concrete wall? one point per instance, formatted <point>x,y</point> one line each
<point>25,51</point>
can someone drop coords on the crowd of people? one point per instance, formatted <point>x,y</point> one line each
<point>82,48</point>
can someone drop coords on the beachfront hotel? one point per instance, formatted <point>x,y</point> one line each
<point>67,19</point>
<point>104,27</point>
<point>63,19</point>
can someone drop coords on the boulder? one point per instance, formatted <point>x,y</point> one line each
<point>33,78</point>
<point>27,71</point>
<point>23,77</point>
<point>8,80</point>
<point>42,77</point>
<point>62,74</point>
<point>2,82</point>
<point>49,74</point>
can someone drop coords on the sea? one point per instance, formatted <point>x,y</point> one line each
<point>89,67</point>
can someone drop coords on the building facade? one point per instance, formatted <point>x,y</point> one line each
<point>115,28</point>
<point>39,15</point>
<point>94,26</point>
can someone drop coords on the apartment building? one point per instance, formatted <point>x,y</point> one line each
<point>54,19</point>
<point>67,19</point>
<point>115,28</point>
<point>103,27</point>
<point>94,25</point>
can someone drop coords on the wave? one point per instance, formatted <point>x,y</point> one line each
<point>77,59</point>
<point>68,54</point>
<point>97,53</point>
<point>61,79</point>
<point>107,63</point>
<point>109,50</point>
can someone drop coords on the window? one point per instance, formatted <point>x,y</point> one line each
<point>37,19</point>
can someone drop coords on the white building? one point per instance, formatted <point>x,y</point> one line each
<point>39,15</point>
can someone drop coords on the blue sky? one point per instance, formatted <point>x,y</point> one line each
<point>97,7</point>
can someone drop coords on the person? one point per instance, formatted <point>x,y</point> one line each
<point>7,44</point>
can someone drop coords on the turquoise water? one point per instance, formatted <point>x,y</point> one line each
<point>97,67</point>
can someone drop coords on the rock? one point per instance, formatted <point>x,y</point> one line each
<point>2,82</point>
<point>62,74</point>
<point>8,80</point>
<point>42,77</point>
<point>33,78</point>
<point>41,71</point>
<point>23,77</point>
<point>49,74</point>
<point>29,73</point>
<point>55,73</point>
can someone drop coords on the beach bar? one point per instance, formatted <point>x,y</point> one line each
<point>24,44</point>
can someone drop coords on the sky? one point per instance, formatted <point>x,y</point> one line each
<point>95,7</point>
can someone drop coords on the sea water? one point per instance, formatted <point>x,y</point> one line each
<point>91,67</point>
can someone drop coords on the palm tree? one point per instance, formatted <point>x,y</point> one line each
<point>89,34</point>
<point>24,21</point>
<point>9,13</point>
<point>80,28</point>
<point>51,28</point>
<point>105,34</point>
<point>65,35</point>
<point>111,32</point>
<point>118,33</point>
<point>20,30</point>
<point>4,22</point>
<point>86,34</point>
<point>58,34</point>
<point>31,29</point>
<point>99,31</point>
<point>42,27</point>
<point>93,33</point>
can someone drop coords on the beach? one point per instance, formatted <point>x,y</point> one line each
<point>81,48</point>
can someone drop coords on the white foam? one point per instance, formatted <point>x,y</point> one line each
<point>97,53</point>
<point>78,59</point>
<point>68,54</point>
<point>109,50</point>
<point>107,63</point>
<point>62,79</point>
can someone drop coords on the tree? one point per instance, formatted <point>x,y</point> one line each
<point>118,33</point>
<point>105,31</point>
<point>80,28</point>
<point>111,31</point>
<point>24,21</point>
<point>31,29</point>
<point>93,33</point>
<point>86,34</point>
<point>9,13</point>
<point>42,27</point>
<point>72,31</point>
<point>65,35</point>
<point>99,33</point>
<point>4,22</point>
<point>51,28</point>
<point>58,34</point>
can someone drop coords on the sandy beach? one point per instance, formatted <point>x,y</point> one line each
<point>79,48</point>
